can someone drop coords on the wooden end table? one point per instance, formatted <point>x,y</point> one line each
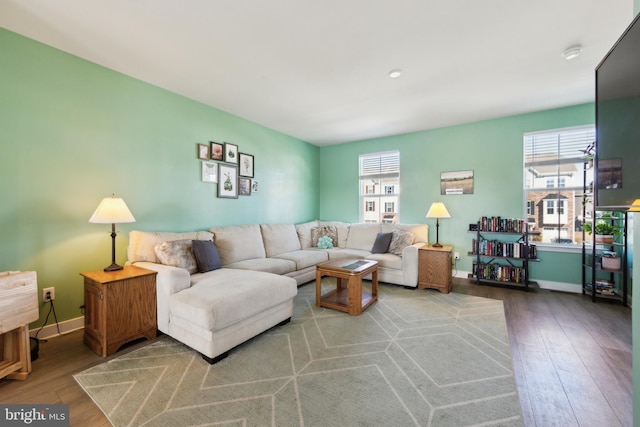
<point>348,295</point>
<point>120,306</point>
<point>434,268</point>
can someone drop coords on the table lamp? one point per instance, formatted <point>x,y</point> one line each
<point>112,210</point>
<point>437,211</point>
<point>635,206</point>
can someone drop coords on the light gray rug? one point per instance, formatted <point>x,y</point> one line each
<point>414,358</point>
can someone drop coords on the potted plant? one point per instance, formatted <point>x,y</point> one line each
<point>604,231</point>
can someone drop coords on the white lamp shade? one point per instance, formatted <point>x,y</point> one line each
<point>112,210</point>
<point>438,210</point>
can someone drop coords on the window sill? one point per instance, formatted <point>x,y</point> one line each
<point>573,249</point>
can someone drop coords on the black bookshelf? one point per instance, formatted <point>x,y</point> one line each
<point>503,253</point>
<point>601,281</point>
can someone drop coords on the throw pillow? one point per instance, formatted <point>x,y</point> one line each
<point>206,254</point>
<point>381,245</point>
<point>329,231</point>
<point>399,241</point>
<point>177,253</point>
<point>325,242</point>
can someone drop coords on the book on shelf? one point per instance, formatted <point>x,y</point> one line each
<point>497,224</point>
<point>503,249</point>
<point>499,272</point>
<point>603,287</point>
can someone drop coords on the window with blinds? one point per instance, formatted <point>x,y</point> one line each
<point>554,180</point>
<point>379,187</point>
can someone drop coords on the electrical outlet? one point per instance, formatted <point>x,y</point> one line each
<point>48,294</point>
<point>456,255</point>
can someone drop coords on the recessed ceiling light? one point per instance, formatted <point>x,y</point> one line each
<point>395,73</point>
<point>572,52</point>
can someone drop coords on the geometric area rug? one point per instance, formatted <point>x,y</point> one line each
<point>414,358</point>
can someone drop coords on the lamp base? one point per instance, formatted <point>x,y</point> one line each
<point>437,245</point>
<point>113,267</point>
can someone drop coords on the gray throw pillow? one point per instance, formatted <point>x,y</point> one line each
<point>206,254</point>
<point>381,245</point>
<point>400,240</point>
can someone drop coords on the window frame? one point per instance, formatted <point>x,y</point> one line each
<point>380,173</point>
<point>564,167</point>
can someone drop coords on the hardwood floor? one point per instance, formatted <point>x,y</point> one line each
<point>572,361</point>
<point>572,358</point>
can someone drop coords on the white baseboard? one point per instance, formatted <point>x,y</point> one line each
<point>51,331</point>
<point>544,284</point>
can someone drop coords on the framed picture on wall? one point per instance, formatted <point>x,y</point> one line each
<point>244,186</point>
<point>230,153</point>
<point>217,151</point>
<point>255,186</point>
<point>246,165</point>
<point>209,172</point>
<point>459,182</point>
<point>203,152</point>
<point>227,181</point>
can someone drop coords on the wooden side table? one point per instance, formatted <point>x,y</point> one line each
<point>348,295</point>
<point>18,308</point>
<point>120,306</point>
<point>434,268</point>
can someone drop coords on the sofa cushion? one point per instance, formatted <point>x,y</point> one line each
<point>206,255</point>
<point>362,236</point>
<point>381,244</point>
<point>223,297</point>
<point>268,265</point>
<point>305,258</point>
<point>343,231</point>
<point>238,243</point>
<point>344,253</point>
<point>304,233</point>
<point>142,243</point>
<point>177,253</point>
<point>387,260</point>
<point>279,238</point>
<point>400,240</point>
<point>329,231</point>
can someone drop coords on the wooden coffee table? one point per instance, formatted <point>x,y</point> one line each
<point>348,295</point>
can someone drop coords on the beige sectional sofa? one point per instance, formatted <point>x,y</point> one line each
<point>262,265</point>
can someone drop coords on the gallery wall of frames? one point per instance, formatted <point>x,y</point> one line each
<point>233,171</point>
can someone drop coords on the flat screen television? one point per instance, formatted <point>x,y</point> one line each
<point>618,122</point>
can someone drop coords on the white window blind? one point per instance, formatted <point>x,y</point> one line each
<point>379,175</point>
<point>554,181</point>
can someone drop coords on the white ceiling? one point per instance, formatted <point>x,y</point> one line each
<point>318,69</point>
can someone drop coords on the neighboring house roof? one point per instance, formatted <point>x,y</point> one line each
<point>542,165</point>
<point>554,196</point>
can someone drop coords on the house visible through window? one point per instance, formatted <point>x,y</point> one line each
<point>379,187</point>
<point>554,180</point>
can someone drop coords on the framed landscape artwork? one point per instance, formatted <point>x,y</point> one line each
<point>227,181</point>
<point>460,182</point>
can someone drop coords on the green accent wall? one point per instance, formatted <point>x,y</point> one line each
<point>491,148</point>
<point>74,132</point>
